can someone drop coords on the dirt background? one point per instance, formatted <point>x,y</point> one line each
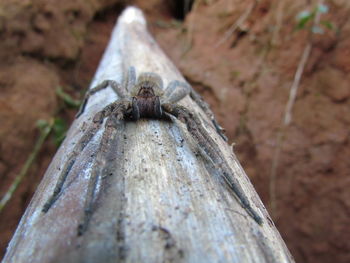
<point>245,77</point>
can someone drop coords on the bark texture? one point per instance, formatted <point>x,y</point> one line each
<point>160,199</point>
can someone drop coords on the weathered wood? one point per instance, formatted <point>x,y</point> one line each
<point>160,201</point>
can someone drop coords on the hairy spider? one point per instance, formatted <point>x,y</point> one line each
<point>145,98</point>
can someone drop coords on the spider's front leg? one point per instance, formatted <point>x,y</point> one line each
<point>121,92</point>
<point>129,80</point>
<point>209,146</point>
<point>118,109</point>
<point>177,90</point>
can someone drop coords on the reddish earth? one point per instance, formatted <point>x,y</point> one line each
<point>245,78</point>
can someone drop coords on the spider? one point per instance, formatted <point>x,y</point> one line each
<point>144,97</point>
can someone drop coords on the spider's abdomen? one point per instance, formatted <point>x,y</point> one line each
<point>148,107</point>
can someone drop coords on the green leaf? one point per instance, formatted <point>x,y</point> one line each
<point>67,98</point>
<point>303,18</point>
<point>59,130</point>
<point>302,22</point>
<point>303,14</point>
<point>327,24</point>
<point>42,124</point>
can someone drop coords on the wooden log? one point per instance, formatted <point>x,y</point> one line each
<point>159,201</point>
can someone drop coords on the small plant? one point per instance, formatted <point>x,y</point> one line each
<point>305,20</point>
<point>310,21</point>
<point>67,99</point>
<point>58,128</point>
<point>55,126</point>
<point>45,128</point>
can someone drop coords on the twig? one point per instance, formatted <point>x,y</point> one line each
<point>288,115</point>
<point>236,25</point>
<point>40,141</point>
<point>189,41</point>
<point>279,17</point>
<point>294,88</point>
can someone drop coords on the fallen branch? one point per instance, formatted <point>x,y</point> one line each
<point>159,199</point>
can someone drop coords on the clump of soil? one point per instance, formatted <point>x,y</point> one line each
<point>245,74</point>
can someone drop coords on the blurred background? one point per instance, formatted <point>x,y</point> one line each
<point>275,73</point>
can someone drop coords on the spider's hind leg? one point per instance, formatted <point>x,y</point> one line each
<point>115,112</point>
<point>99,164</point>
<point>209,146</point>
<point>177,90</point>
<point>81,144</point>
<point>205,107</point>
<point>118,109</point>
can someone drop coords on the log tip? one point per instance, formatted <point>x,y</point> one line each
<point>132,14</point>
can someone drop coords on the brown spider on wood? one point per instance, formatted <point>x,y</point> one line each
<point>145,98</point>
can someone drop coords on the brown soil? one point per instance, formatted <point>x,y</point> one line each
<point>245,78</point>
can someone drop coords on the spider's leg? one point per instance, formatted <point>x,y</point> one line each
<point>108,136</point>
<point>104,84</point>
<point>118,108</point>
<point>131,78</point>
<point>209,146</point>
<point>118,111</point>
<point>81,144</point>
<point>175,91</point>
<point>101,86</point>
<point>205,108</point>
<point>119,89</point>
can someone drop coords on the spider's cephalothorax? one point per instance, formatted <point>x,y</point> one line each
<point>145,98</point>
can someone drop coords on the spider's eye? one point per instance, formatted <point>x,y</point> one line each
<point>146,90</point>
